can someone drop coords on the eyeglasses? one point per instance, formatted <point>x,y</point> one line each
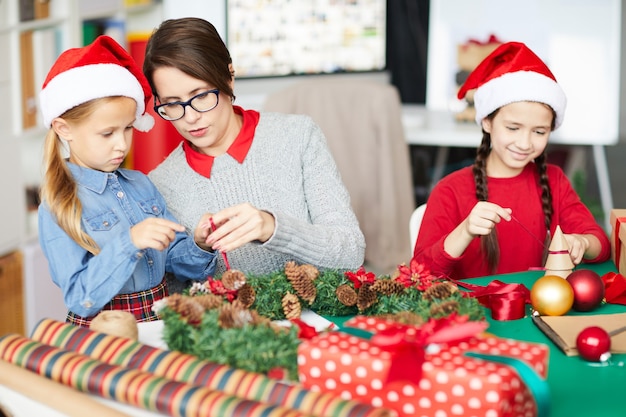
<point>175,110</point>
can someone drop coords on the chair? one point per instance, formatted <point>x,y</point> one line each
<point>362,122</point>
<point>415,222</point>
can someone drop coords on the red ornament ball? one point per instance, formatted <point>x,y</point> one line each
<point>594,344</point>
<point>552,295</point>
<point>588,289</point>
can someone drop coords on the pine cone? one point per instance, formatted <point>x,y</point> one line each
<point>259,320</point>
<point>444,309</point>
<point>233,279</point>
<point>305,288</point>
<point>292,270</point>
<point>309,271</point>
<point>440,291</point>
<point>189,310</point>
<point>209,301</point>
<point>246,295</point>
<point>303,285</point>
<point>173,301</point>
<point>366,297</point>
<point>405,317</point>
<point>291,306</point>
<point>387,286</point>
<point>346,295</point>
<point>233,316</point>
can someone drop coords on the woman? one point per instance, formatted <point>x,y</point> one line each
<point>269,178</point>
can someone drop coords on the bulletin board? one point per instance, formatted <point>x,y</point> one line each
<point>578,39</point>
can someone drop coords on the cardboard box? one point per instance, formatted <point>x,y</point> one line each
<point>450,383</point>
<point>618,238</point>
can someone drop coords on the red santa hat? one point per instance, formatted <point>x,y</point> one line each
<point>512,73</point>
<point>101,69</point>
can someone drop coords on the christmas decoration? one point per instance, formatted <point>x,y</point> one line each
<point>618,237</point>
<point>588,289</point>
<point>558,261</point>
<point>551,295</point>
<point>442,367</point>
<point>229,321</point>
<point>594,344</point>
<point>229,335</point>
<point>614,288</point>
<point>283,294</point>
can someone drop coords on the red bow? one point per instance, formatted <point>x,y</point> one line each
<point>407,343</point>
<point>614,288</point>
<point>506,301</point>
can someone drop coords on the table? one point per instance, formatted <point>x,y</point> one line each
<point>577,387</point>
<point>426,127</point>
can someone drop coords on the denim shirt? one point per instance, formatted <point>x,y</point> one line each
<point>113,203</point>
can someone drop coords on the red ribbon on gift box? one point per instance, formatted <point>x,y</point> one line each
<point>618,252</point>
<point>407,343</point>
<point>614,288</point>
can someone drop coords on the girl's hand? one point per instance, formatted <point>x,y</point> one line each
<point>484,217</point>
<point>481,220</point>
<point>154,233</point>
<point>578,246</point>
<point>238,225</point>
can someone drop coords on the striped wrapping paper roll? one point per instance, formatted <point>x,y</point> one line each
<point>190,369</point>
<point>129,386</point>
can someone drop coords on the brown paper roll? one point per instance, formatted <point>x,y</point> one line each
<point>53,394</point>
<point>116,323</point>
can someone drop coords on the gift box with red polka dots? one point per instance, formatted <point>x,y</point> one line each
<point>451,383</point>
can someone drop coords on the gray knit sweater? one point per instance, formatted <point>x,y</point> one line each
<point>288,172</point>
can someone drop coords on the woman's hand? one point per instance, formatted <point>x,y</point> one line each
<point>238,225</point>
<point>480,221</point>
<point>202,232</point>
<point>154,233</point>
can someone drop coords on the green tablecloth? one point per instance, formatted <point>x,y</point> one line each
<point>577,387</point>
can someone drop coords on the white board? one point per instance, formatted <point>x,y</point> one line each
<point>578,39</point>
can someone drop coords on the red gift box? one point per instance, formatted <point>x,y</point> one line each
<point>451,383</point>
<point>618,237</point>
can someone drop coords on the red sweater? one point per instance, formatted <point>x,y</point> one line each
<point>453,198</point>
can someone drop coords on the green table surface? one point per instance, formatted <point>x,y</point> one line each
<point>577,387</point>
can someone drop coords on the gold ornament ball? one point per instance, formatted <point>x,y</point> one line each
<point>552,295</point>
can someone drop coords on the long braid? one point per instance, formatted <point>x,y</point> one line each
<point>546,198</point>
<point>488,243</point>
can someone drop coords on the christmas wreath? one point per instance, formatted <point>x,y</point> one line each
<point>230,320</point>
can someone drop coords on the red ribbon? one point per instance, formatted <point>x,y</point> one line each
<point>614,288</point>
<point>506,301</point>
<point>617,242</point>
<point>407,343</point>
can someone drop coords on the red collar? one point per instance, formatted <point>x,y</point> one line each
<point>202,163</point>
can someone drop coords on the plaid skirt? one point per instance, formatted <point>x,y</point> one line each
<point>138,304</point>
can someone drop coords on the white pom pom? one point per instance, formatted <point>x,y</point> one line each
<point>144,123</point>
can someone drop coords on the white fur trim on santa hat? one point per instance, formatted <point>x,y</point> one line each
<point>519,86</point>
<point>81,84</point>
